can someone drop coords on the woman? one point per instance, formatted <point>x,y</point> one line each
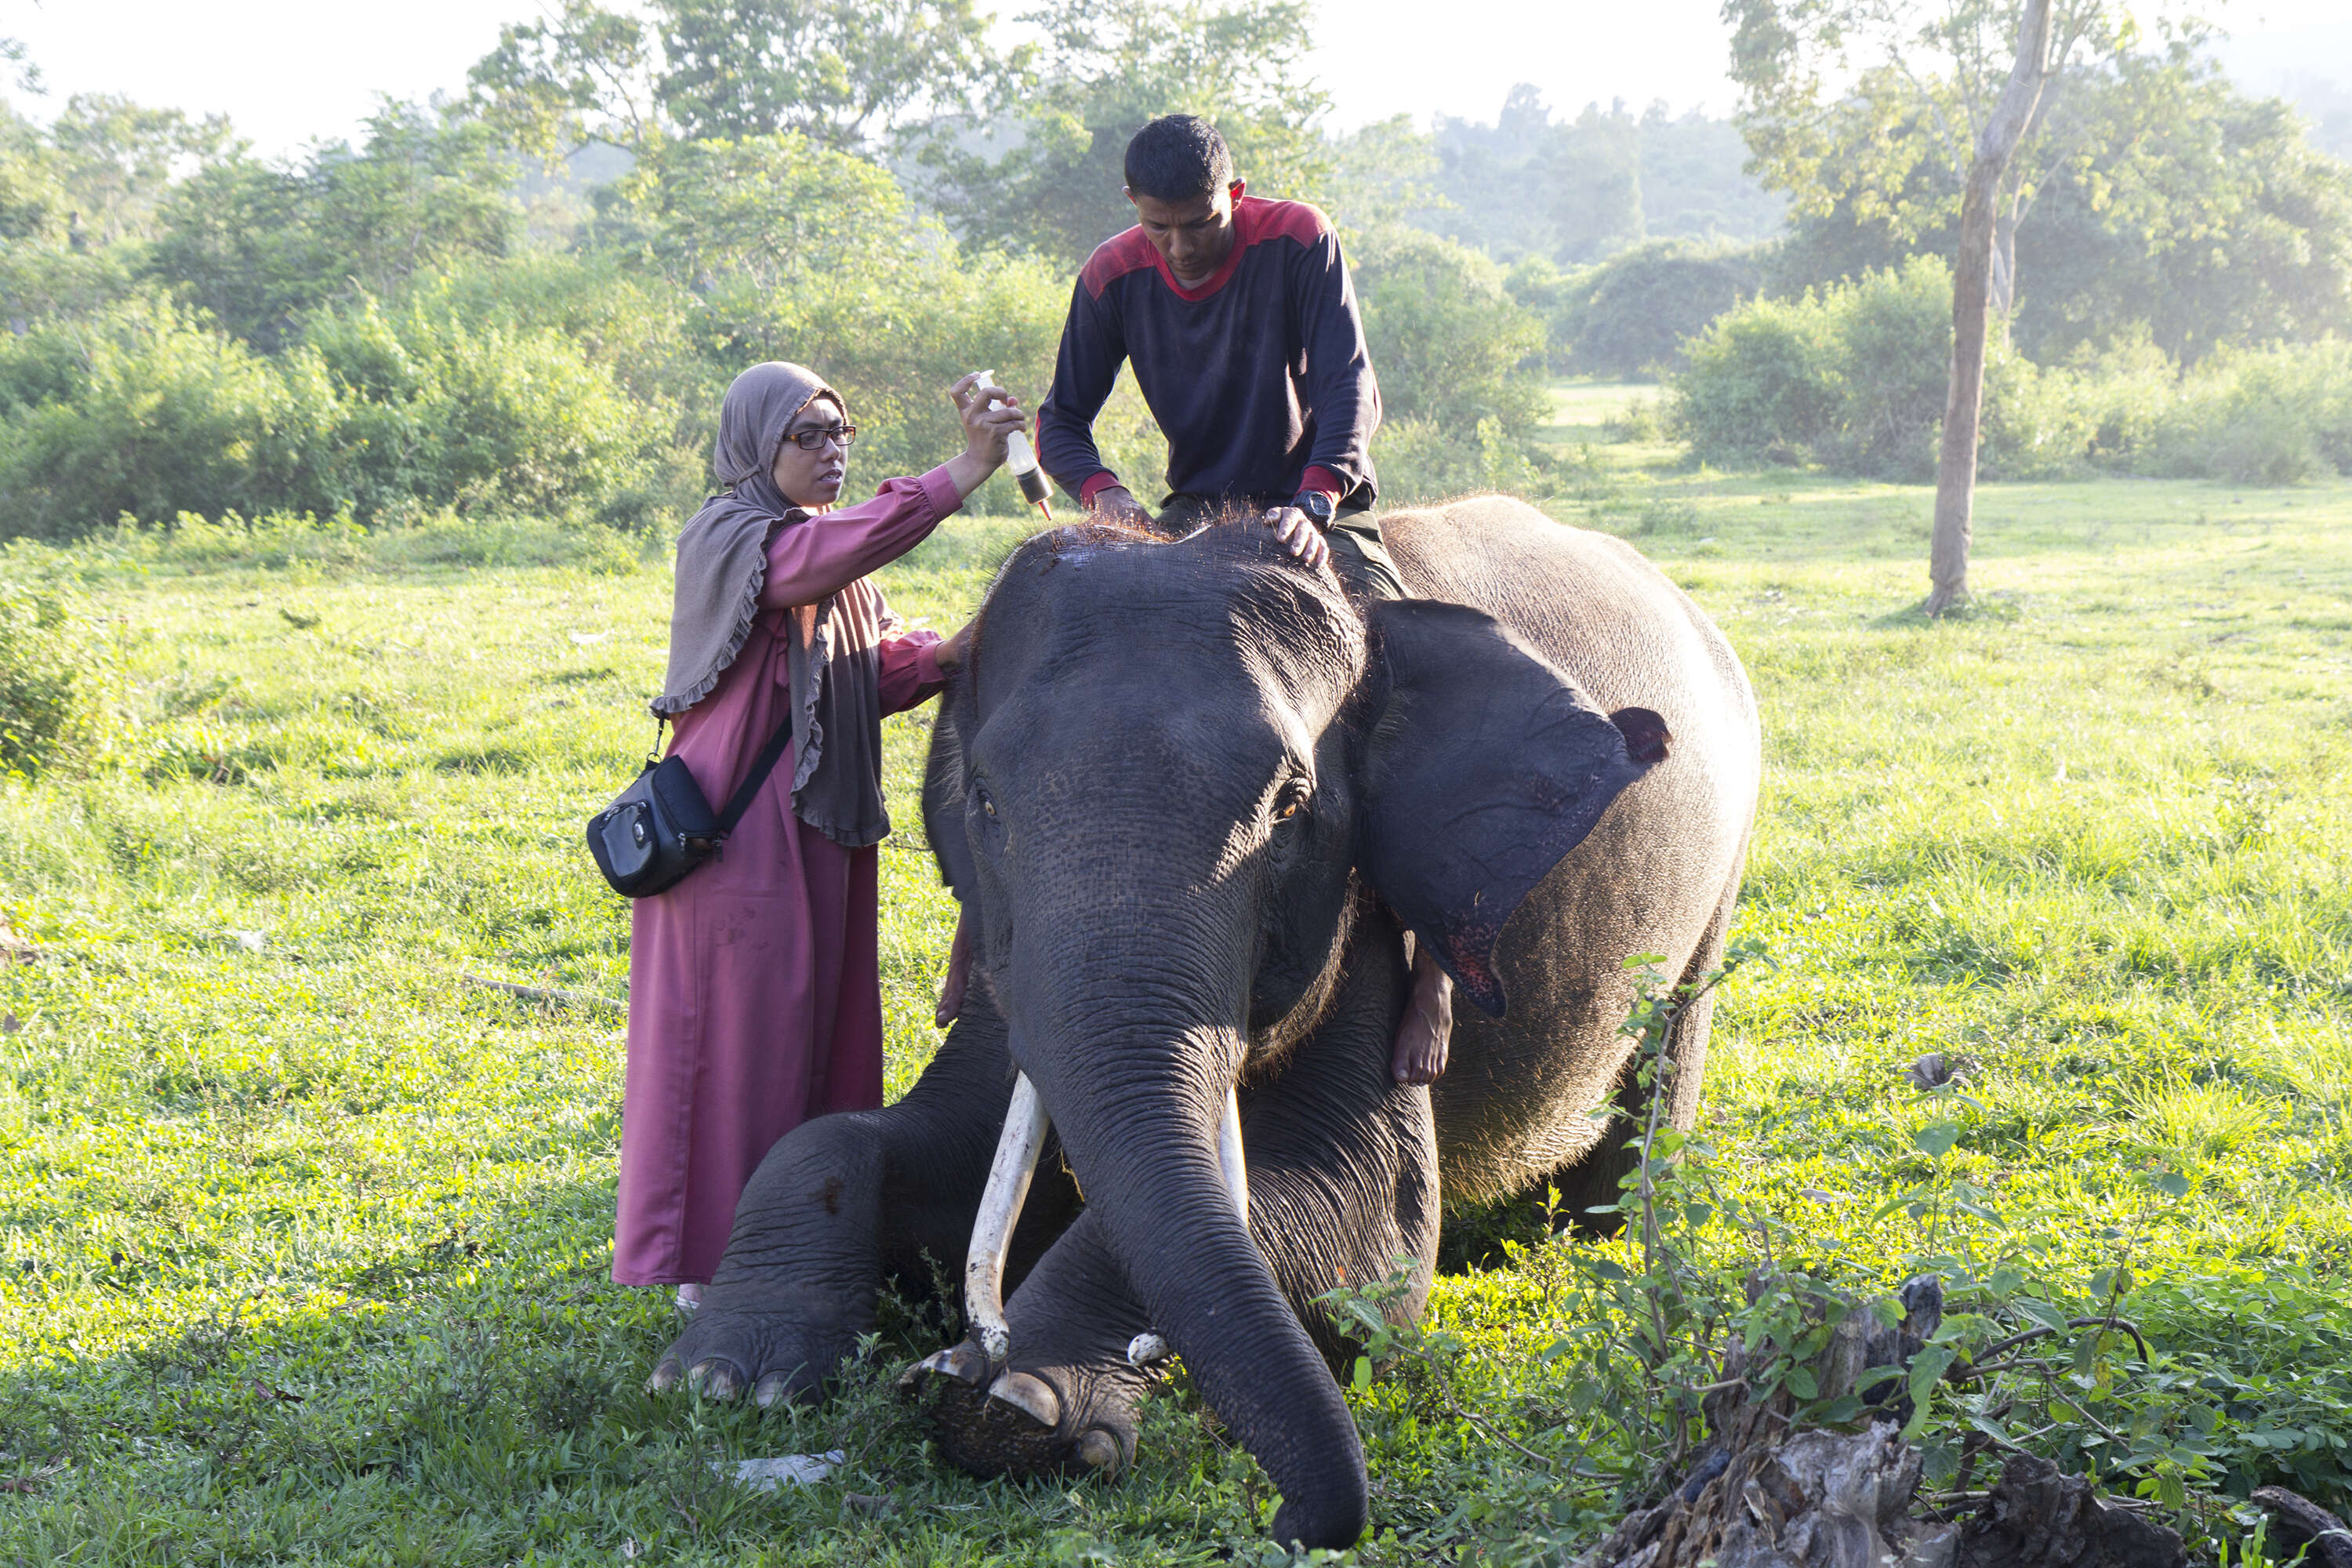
<point>754,990</point>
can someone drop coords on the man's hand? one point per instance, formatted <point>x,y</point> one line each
<point>956,652</point>
<point>1297,533</point>
<point>1115,503</point>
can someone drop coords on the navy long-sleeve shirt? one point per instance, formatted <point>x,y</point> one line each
<point>1258,377</point>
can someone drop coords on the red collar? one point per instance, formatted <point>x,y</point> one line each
<point>1245,215</point>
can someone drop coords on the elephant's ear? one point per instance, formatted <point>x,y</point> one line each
<point>943,788</point>
<point>1485,767</point>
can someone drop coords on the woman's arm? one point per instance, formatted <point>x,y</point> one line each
<point>821,555</point>
<point>825,555</point>
<point>911,672</point>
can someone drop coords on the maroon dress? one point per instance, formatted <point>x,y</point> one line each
<point>755,996</point>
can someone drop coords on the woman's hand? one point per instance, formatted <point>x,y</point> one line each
<point>956,652</point>
<point>989,418</point>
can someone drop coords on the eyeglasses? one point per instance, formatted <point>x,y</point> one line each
<point>842,436</point>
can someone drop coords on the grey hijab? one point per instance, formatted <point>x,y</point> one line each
<point>722,563</point>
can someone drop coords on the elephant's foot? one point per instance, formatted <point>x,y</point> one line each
<point>775,1356</point>
<point>1062,1419</point>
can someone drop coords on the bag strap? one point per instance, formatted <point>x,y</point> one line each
<point>761,766</point>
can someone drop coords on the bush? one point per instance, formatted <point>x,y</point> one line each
<point>1632,315</point>
<point>147,411</point>
<point>433,412</point>
<point>1449,343</point>
<point>40,671</point>
<point>1854,377</point>
<point>1421,461</point>
<point>1760,385</point>
<point>2272,418</point>
<point>1459,399</point>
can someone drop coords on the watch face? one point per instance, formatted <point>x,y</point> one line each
<point>1317,505</point>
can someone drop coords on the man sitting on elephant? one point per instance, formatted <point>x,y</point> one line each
<point>1241,322</point>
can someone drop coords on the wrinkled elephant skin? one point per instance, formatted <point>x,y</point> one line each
<point>1190,801</point>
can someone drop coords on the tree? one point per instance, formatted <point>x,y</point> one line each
<point>847,77</point>
<point>842,74</point>
<point>1973,271</point>
<point>257,243</point>
<point>2190,215</point>
<point>1579,191</point>
<point>1937,88</point>
<point>1107,67</point>
<point>1896,144</point>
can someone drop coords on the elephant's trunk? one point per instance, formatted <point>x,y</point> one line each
<point>1148,1151</point>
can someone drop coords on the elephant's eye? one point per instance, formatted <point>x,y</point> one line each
<point>980,793</point>
<point>1292,804</point>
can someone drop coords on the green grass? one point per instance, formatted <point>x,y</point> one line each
<point>303,1247</point>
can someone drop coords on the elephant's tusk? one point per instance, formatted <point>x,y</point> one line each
<point>1229,1156</point>
<point>1000,1208</point>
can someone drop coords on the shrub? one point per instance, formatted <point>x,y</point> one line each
<point>435,411</point>
<point>40,670</point>
<point>1760,385</point>
<point>1855,376</point>
<point>1632,315</point>
<point>1452,351</point>
<point>1449,343</point>
<point>146,410</point>
<point>1420,461</point>
<point>2268,418</point>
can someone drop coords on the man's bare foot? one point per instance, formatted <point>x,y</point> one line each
<point>689,1296</point>
<point>959,974</point>
<point>1427,1026</point>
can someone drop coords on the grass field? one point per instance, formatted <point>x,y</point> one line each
<point>304,1235</point>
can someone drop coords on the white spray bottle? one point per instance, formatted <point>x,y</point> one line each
<point>1019,458</point>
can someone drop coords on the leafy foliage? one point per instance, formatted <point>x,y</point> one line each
<point>1628,316</point>
<point>258,245</point>
<point>1578,191</point>
<point>2186,214</point>
<point>843,76</point>
<point>1852,378</point>
<point>1106,68</point>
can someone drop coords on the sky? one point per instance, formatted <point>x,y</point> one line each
<point>286,71</point>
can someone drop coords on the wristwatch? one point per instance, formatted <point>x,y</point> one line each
<point>1317,505</point>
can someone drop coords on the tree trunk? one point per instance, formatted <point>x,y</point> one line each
<point>1956,467</point>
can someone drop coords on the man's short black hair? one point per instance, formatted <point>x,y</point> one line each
<point>1178,157</point>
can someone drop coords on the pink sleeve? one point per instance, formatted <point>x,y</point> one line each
<point>910,665</point>
<point>820,555</point>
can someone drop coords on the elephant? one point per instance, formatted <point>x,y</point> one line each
<point>1193,800</point>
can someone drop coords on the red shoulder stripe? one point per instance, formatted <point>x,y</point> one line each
<point>1264,219</point>
<point>1116,257</point>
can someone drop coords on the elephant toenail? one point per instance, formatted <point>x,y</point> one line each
<point>1099,1450</point>
<point>1032,1396</point>
<point>665,1376</point>
<point>772,1389</point>
<point>715,1379</point>
<point>964,1362</point>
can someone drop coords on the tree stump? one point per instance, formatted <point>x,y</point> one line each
<point>1766,1493</point>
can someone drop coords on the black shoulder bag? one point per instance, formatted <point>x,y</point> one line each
<point>660,828</point>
